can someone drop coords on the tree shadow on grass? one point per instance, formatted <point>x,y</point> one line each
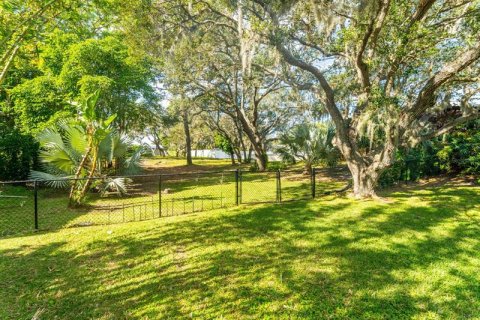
<point>298,260</point>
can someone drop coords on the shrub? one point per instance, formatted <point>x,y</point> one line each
<point>412,164</point>
<point>18,154</point>
<point>457,152</point>
<point>276,165</point>
<point>461,150</point>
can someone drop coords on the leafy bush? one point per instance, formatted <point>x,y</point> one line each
<point>461,151</point>
<point>18,154</point>
<point>412,164</point>
<point>457,152</point>
<point>223,143</point>
<point>276,165</point>
<point>254,167</point>
<point>36,101</point>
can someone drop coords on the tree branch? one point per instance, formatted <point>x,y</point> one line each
<point>449,126</point>
<point>426,96</point>
<point>418,15</point>
<point>371,35</point>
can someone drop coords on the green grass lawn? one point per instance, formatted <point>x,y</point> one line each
<point>416,257</point>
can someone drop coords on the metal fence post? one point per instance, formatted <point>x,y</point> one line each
<point>159,196</point>
<point>240,187</point>
<point>35,203</point>
<point>313,182</point>
<point>237,193</point>
<point>279,187</point>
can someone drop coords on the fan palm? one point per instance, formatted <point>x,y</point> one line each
<point>309,142</point>
<point>76,152</point>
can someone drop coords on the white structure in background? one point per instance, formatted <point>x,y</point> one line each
<point>200,153</point>
<point>210,153</point>
<point>219,154</point>
<point>272,156</point>
<point>146,142</point>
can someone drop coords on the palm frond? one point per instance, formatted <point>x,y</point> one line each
<point>310,142</point>
<point>50,138</point>
<point>76,137</point>
<point>120,146</point>
<point>60,151</point>
<point>50,180</point>
<point>105,148</point>
<point>132,164</point>
<point>60,158</point>
<point>119,185</point>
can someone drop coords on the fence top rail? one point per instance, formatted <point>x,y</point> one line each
<point>157,175</point>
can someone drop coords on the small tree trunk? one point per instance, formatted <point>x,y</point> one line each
<point>238,154</point>
<point>308,168</point>
<point>71,200</point>
<point>91,174</point>
<point>188,139</point>
<point>261,159</point>
<point>6,68</point>
<point>158,147</point>
<point>232,157</point>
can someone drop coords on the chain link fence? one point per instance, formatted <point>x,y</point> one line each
<point>44,205</point>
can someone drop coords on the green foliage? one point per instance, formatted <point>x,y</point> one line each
<point>309,142</point>
<point>54,50</point>
<point>64,146</point>
<point>18,154</point>
<point>412,164</point>
<point>223,143</point>
<point>36,101</point>
<point>105,64</point>
<point>456,153</point>
<point>461,150</point>
<point>86,147</point>
<point>271,166</point>
<point>70,68</point>
<point>276,165</point>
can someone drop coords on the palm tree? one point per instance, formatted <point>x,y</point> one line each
<point>309,142</point>
<point>76,151</point>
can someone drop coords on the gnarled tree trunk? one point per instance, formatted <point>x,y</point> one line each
<point>260,158</point>
<point>255,139</point>
<point>307,169</point>
<point>364,180</point>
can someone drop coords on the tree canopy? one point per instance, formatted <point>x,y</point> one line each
<point>383,70</point>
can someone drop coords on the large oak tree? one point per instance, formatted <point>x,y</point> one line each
<point>384,69</point>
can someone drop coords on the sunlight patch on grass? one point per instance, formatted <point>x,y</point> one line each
<point>415,258</point>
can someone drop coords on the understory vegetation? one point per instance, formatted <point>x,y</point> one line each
<point>457,153</point>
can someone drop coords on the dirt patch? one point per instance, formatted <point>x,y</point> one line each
<point>435,182</point>
<point>159,167</point>
<point>340,173</point>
